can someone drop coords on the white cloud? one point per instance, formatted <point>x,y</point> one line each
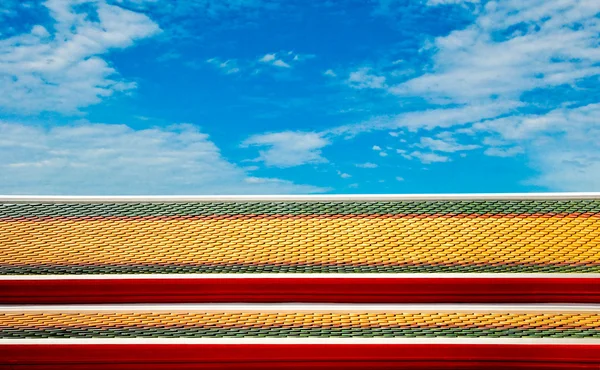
<point>91,158</point>
<point>362,78</point>
<point>448,145</point>
<point>478,77</point>
<point>383,154</point>
<point>575,123</point>
<point>289,148</point>
<point>229,66</point>
<point>449,117</point>
<point>451,2</point>
<point>281,63</point>
<point>514,46</point>
<point>426,158</point>
<point>385,6</point>
<point>367,165</point>
<point>330,73</point>
<point>280,60</point>
<point>300,57</point>
<point>344,175</point>
<point>376,147</point>
<point>562,144</point>
<point>63,71</point>
<point>283,59</point>
<point>430,119</point>
<point>267,58</point>
<point>568,169</point>
<point>277,186</point>
<point>181,19</point>
<point>398,178</point>
<point>503,152</point>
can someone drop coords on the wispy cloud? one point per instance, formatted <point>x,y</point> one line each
<point>281,63</point>
<point>18,16</point>
<point>268,63</point>
<point>89,158</point>
<point>487,78</point>
<point>367,165</point>
<point>284,59</point>
<point>562,144</point>
<point>451,2</point>
<point>267,58</point>
<point>289,148</point>
<point>185,19</point>
<point>330,73</point>
<point>521,80</point>
<point>503,152</point>
<point>429,119</point>
<point>229,66</point>
<point>447,145</point>
<point>427,158</point>
<point>343,175</point>
<point>511,48</point>
<point>363,78</point>
<point>62,69</point>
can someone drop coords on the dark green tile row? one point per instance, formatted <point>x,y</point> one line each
<point>47,269</point>
<point>277,332</point>
<point>8,210</point>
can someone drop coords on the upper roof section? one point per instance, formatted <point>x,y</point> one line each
<point>302,234</point>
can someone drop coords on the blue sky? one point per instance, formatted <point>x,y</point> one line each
<point>283,96</point>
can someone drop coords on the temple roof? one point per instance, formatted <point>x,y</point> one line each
<point>301,236</point>
<point>376,276</point>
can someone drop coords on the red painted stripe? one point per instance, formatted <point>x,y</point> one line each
<point>329,290</point>
<point>284,356</point>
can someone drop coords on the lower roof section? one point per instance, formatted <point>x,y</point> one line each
<point>393,322</point>
<point>294,336</point>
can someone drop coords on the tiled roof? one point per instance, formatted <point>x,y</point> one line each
<point>216,282</point>
<point>323,324</point>
<point>301,237</point>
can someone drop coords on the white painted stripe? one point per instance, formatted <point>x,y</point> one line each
<point>307,341</point>
<point>312,307</point>
<point>303,198</point>
<point>306,276</point>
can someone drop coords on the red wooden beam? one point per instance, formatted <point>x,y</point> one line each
<point>300,356</point>
<point>267,290</point>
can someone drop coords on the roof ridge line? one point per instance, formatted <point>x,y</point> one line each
<point>295,198</point>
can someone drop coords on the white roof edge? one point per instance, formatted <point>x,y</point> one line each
<point>304,198</point>
<point>406,275</point>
